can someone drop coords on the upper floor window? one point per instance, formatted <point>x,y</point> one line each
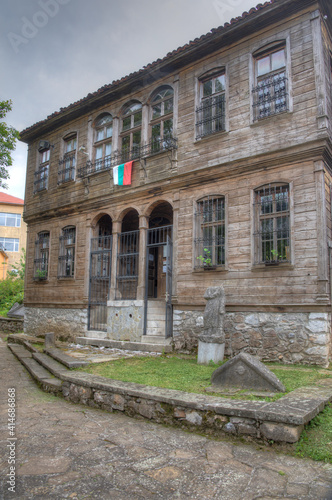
<point>10,220</point>
<point>210,232</point>
<point>270,95</point>
<point>66,266</point>
<point>272,224</point>
<point>211,112</point>
<point>9,244</point>
<point>161,118</point>
<point>131,131</point>
<point>41,175</point>
<point>103,141</point>
<point>68,163</point>
<point>42,247</point>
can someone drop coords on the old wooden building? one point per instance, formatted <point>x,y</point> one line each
<point>210,166</point>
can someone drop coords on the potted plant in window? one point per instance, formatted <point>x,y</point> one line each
<point>41,274</point>
<point>275,259</point>
<point>206,260</point>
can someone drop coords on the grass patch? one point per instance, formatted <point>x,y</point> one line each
<point>184,374</point>
<point>316,439</point>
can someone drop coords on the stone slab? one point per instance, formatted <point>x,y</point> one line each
<point>208,351</point>
<point>64,358</point>
<point>119,344</point>
<point>246,372</point>
<point>19,351</point>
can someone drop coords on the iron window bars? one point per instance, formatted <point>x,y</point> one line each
<point>66,264</point>
<point>210,116</point>
<point>41,179</point>
<point>66,171</point>
<point>127,268</point>
<point>272,225</point>
<point>164,144</point>
<point>209,243</point>
<point>41,256</point>
<point>270,96</point>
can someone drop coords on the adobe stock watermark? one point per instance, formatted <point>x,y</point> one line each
<point>224,7</point>
<point>31,27</point>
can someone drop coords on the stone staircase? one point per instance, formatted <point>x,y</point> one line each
<point>156,324</point>
<point>45,367</point>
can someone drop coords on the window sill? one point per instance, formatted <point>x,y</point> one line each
<point>210,136</point>
<point>269,267</point>
<point>65,278</point>
<point>207,270</point>
<point>272,117</point>
<point>65,183</point>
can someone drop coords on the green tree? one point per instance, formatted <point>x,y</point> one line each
<point>8,137</point>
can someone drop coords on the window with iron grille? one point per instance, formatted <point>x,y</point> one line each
<point>270,95</point>
<point>161,119</point>
<point>131,132</point>
<point>66,265</point>
<point>67,164</point>
<point>103,142</point>
<point>272,224</point>
<point>210,232</point>
<point>211,113</point>
<point>41,175</point>
<point>42,247</point>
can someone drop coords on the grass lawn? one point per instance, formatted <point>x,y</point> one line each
<point>183,373</point>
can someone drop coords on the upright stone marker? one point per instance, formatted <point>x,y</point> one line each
<point>211,344</point>
<point>49,340</point>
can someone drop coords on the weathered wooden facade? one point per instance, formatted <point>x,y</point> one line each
<point>230,139</point>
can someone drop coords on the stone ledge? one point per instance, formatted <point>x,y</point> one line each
<point>64,358</point>
<point>281,421</point>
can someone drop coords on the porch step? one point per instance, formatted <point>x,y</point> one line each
<point>38,372</point>
<point>155,339</point>
<point>96,334</point>
<point>125,345</point>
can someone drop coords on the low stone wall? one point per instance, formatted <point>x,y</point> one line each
<point>11,325</point>
<point>67,324</point>
<point>274,337</point>
<point>281,421</point>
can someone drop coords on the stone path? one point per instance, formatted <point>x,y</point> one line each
<point>67,451</point>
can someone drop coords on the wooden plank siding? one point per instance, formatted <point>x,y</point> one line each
<point>279,149</point>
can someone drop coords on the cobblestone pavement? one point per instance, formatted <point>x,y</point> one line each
<point>70,451</point>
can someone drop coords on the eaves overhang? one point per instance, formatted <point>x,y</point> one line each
<point>250,22</point>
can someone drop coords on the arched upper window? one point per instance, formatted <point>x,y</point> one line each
<point>131,131</point>
<point>272,224</point>
<point>211,112</point>
<point>68,163</point>
<point>103,141</point>
<point>270,92</point>
<point>161,118</point>
<point>66,265</point>
<point>210,232</point>
<point>42,248</point>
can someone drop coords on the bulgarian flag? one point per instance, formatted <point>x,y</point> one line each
<point>122,174</point>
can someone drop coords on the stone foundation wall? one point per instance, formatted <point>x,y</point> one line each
<point>275,337</point>
<point>11,325</point>
<point>67,324</point>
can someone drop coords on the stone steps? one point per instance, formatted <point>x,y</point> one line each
<point>44,377</point>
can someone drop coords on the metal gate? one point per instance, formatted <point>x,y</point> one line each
<point>168,297</point>
<point>99,282</point>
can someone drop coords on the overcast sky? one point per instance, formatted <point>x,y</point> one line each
<point>54,52</point>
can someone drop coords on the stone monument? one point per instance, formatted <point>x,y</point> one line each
<point>245,372</point>
<point>211,343</point>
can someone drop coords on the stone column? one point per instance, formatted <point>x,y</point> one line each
<point>143,226</point>
<point>116,229</point>
<point>211,344</point>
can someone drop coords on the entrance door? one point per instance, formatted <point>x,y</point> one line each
<point>159,279</point>
<point>99,282</point>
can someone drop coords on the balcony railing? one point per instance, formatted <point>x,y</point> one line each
<point>155,147</point>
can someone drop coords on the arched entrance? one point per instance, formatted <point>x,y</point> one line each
<point>158,284</point>
<point>127,257</point>
<point>100,273</point>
